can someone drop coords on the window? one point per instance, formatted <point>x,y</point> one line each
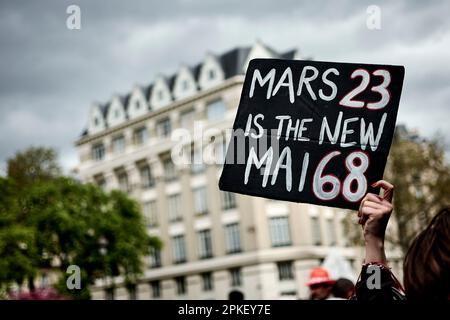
<point>100,181</point>
<point>290,293</point>
<point>170,173</point>
<point>147,180</point>
<point>174,204</point>
<point>211,74</point>
<point>181,285</point>
<point>285,271</point>
<point>197,164</point>
<point>232,238</point>
<point>220,150</point>
<point>207,281</point>
<point>155,258</point>
<point>235,275</point>
<point>116,113</point>
<point>151,213</point>
<point>163,128</point>
<point>331,232</point>
<point>140,136</point>
<point>96,121</point>
<point>215,110</point>
<point>204,244</point>
<point>160,95</point>
<point>118,144</point>
<point>187,118</point>
<point>315,229</point>
<point>98,152</point>
<point>279,231</point>
<point>228,200</point>
<point>179,249</point>
<point>122,179</point>
<point>155,289</point>
<point>200,201</point>
<point>185,85</point>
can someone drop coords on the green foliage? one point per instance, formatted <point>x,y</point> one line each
<point>77,294</point>
<point>17,250</point>
<point>33,165</point>
<point>421,176</point>
<point>49,222</point>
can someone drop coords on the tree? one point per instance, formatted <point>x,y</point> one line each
<point>421,175</point>
<point>103,234</point>
<point>53,222</point>
<point>33,165</point>
<point>17,250</point>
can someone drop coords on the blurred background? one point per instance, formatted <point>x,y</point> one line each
<point>90,94</point>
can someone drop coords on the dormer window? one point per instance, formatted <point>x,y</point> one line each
<point>116,113</point>
<point>185,85</point>
<point>136,104</point>
<point>160,95</point>
<point>211,74</point>
<point>96,119</point>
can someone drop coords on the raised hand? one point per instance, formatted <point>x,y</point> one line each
<point>374,213</point>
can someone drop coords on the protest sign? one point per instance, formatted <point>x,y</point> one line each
<point>311,131</point>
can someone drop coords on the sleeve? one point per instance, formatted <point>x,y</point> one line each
<point>376,283</point>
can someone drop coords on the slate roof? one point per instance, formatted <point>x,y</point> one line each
<point>232,63</point>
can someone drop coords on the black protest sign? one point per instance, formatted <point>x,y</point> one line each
<point>314,132</point>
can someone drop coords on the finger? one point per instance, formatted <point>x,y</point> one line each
<point>366,212</point>
<point>388,195</point>
<point>372,204</point>
<point>361,204</point>
<point>368,197</point>
<point>387,187</point>
<point>387,206</point>
<point>373,197</point>
<point>362,221</point>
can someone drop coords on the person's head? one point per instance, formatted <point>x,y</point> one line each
<point>343,288</point>
<point>320,291</point>
<point>236,295</point>
<point>320,284</point>
<point>427,262</point>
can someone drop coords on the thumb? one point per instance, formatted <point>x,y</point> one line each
<point>387,187</point>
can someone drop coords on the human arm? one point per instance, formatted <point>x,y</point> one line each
<point>374,213</point>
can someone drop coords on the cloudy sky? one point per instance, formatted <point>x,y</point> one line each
<point>50,74</point>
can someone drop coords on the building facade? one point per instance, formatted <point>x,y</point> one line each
<point>213,241</point>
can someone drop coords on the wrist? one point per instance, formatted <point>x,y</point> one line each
<point>375,250</point>
<point>374,241</point>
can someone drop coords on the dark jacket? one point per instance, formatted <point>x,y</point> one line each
<point>377,284</point>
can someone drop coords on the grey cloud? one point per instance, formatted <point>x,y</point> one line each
<point>50,74</point>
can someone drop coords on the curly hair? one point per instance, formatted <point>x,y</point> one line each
<point>427,262</point>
